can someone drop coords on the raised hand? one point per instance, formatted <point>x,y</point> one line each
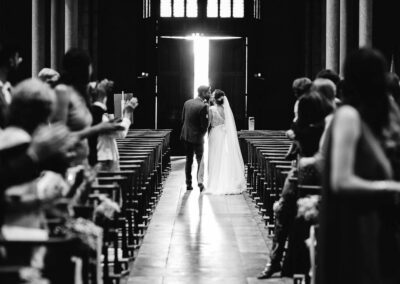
<point>131,104</point>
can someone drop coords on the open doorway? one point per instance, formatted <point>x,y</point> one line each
<point>185,63</point>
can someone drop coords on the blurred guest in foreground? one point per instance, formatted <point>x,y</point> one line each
<point>31,107</point>
<point>73,102</point>
<point>358,238</point>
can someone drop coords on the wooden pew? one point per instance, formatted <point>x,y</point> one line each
<point>144,164</point>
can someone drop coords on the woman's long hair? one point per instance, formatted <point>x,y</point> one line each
<point>365,87</point>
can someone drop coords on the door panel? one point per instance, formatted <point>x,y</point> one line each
<point>227,72</point>
<point>175,86</point>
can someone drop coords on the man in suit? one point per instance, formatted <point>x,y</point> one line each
<point>195,124</point>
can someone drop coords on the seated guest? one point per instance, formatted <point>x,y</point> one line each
<point>308,130</point>
<point>358,237</point>
<point>104,146</point>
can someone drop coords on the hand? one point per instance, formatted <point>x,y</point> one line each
<point>290,134</point>
<point>110,127</point>
<point>49,141</point>
<point>131,104</point>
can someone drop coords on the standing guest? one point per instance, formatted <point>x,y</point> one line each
<point>104,146</point>
<point>327,90</point>
<point>73,102</point>
<point>49,76</point>
<point>328,74</point>
<point>300,86</point>
<point>308,130</point>
<point>358,237</point>
<point>393,85</point>
<point>9,61</point>
<point>334,77</point>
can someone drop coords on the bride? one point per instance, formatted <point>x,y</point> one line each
<point>225,161</point>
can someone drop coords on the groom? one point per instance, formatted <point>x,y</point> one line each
<point>195,124</point>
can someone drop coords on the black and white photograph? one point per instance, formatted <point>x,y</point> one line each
<point>199,142</point>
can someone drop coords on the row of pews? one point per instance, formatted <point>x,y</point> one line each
<point>264,154</point>
<point>136,185</point>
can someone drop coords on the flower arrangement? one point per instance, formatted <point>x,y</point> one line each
<point>308,208</point>
<point>107,208</point>
<point>86,231</point>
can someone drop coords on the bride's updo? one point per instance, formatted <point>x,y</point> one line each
<point>219,97</point>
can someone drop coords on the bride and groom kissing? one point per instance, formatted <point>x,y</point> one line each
<point>221,169</point>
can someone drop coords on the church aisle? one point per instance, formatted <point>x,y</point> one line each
<point>197,238</point>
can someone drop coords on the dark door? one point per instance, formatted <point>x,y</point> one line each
<point>175,86</point>
<point>176,78</point>
<point>228,71</point>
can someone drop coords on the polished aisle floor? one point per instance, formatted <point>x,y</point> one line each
<point>195,238</point>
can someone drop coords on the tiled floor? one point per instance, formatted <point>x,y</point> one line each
<point>196,238</point>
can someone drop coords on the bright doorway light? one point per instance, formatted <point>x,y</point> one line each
<point>201,50</point>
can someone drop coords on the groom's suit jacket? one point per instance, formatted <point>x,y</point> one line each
<point>195,121</point>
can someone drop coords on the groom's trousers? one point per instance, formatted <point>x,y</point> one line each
<point>192,149</point>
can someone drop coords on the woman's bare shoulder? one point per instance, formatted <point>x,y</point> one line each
<point>347,112</point>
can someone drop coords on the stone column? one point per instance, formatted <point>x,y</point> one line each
<point>343,35</point>
<point>38,36</point>
<point>365,23</point>
<point>332,34</point>
<point>71,24</point>
<point>56,34</point>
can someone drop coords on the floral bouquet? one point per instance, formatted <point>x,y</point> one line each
<point>308,208</point>
<point>107,208</point>
<point>86,231</point>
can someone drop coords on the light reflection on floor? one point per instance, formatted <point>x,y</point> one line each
<point>195,238</point>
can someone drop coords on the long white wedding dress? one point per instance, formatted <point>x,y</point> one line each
<point>225,166</point>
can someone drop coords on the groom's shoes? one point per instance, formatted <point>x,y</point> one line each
<point>269,271</point>
<point>189,187</point>
<point>201,186</point>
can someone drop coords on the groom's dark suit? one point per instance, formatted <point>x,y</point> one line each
<point>195,124</point>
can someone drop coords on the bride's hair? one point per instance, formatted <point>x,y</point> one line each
<point>219,96</point>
